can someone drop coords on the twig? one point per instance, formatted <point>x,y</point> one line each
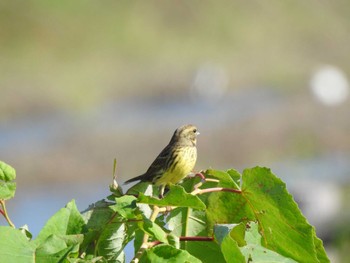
<point>5,214</point>
<point>215,189</point>
<point>196,238</point>
<point>203,180</point>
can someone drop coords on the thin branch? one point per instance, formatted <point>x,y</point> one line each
<point>5,214</point>
<point>215,189</point>
<point>196,239</point>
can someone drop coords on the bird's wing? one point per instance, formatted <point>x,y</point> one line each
<point>159,165</point>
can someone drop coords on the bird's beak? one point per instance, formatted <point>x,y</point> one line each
<point>197,133</point>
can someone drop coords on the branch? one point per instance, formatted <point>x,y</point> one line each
<point>196,238</point>
<point>3,211</point>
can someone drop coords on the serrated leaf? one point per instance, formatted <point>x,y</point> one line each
<point>67,221</point>
<point>264,198</point>
<point>175,197</point>
<point>321,252</point>
<point>15,246</point>
<point>7,188</point>
<point>167,253</point>
<point>283,227</point>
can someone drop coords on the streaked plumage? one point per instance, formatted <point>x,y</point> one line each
<point>175,162</point>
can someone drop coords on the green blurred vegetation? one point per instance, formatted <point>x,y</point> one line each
<point>74,54</point>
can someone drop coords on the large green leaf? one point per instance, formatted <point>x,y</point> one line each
<point>282,226</point>
<point>109,230</point>
<point>264,199</point>
<point>166,253</point>
<point>175,197</point>
<point>15,247</point>
<point>57,249</point>
<point>7,187</point>
<point>67,221</point>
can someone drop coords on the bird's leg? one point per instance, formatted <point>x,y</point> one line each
<point>161,191</point>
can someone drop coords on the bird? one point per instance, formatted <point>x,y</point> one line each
<point>174,162</point>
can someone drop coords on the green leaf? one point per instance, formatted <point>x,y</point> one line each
<point>229,236</point>
<point>56,249</point>
<point>255,252</point>
<point>112,240</point>
<point>184,221</point>
<point>154,230</point>
<point>108,232</point>
<point>226,207</point>
<point>7,172</point>
<point>7,188</point>
<point>126,206</point>
<point>236,232</point>
<point>264,199</point>
<point>167,253</point>
<point>67,221</point>
<point>321,253</point>
<point>15,246</point>
<point>231,251</point>
<point>97,214</point>
<point>143,187</point>
<point>283,227</point>
<point>175,197</point>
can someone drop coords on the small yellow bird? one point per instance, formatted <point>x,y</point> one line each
<point>175,162</point>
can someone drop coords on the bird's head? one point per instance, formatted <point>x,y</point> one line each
<point>186,134</point>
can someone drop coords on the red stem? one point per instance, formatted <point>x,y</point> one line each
<point>2,212</point>
<point>200,175</point>
<point>196,239</point>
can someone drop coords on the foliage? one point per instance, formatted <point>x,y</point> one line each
<point>228,217</point>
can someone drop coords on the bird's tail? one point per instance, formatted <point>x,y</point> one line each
<point>140,177</point>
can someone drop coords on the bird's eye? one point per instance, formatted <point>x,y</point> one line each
<point>194,130</point>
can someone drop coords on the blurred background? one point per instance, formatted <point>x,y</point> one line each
<point>84,82</point>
